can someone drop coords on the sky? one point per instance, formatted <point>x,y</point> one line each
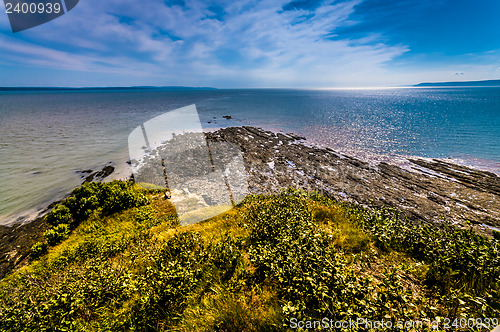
<point>256,44</point>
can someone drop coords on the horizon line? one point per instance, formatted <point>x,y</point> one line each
<point>182,87</point>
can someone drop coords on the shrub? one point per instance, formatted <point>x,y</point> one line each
<point>458,259</point>
<point>94,197</point>
<point>289,251</point>
<point>110,197</point>
<point>38,249</point>
<point>61,214</point>
<point>57,234</point>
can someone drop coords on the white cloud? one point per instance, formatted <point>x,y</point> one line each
<point>256,45</point>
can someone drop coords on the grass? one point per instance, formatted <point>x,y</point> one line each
<point>254,268</point>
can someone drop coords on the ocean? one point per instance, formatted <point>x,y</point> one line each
<point>49,137</point>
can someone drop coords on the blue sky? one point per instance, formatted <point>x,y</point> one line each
<point>249,43</point>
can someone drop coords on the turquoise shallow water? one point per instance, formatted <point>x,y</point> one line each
<point>47,137</point>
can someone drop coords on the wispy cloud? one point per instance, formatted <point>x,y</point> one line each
<point>220,43</point>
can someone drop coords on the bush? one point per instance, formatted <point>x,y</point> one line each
<point>110,197</point>
<point>57,234</point>
<point>94,197</point>
<point>289,251</point>
<point>459,260</point>
<point>38,249</point>
<point>61,214</point>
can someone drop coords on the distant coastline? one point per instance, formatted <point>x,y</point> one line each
<point>487,83</point>
<point>139,88</point>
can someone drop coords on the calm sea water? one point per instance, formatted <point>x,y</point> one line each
<point>47,137</point>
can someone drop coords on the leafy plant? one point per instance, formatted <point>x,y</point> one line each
<point>128,266</point>
<point>59,215</point>
<point>57,234</point>
<point>38,249</point>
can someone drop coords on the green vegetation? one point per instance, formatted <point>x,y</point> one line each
<point>119,261</point>
<point>91,198</point>
<point>38,249</point>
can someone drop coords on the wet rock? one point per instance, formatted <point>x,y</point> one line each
<point>100,175</point>
<point>474,179</point>
<point>435,190</point>
<point>16,242</point>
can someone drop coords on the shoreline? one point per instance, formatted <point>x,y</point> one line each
<point>430,190</point>
<point>427,190</point>
<point>318,139</point>
<point>26,216</point>
<point>16,239</point>
<point>121,169</point>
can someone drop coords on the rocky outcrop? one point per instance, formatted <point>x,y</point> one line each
<point>429,191</point>
<point>99,175</point>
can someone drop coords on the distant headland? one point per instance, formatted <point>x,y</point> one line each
<point>118,88</point>
<point>462,83</point>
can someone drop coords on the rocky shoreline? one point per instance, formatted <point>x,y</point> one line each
<point>433,190</point>
<point>17,239</point>
<point>430,191</point>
